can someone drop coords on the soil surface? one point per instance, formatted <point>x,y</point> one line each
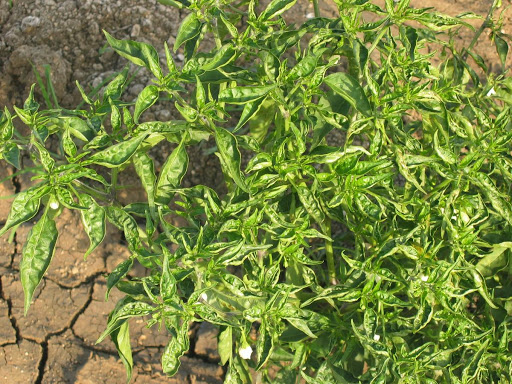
<point>55,342</point>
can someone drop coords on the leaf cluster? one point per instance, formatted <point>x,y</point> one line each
<point>365,239</point>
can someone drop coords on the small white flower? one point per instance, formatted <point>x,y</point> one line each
<point>54,205</point>
<point>491,92</point>
<point>424,278</point>
<point>203,296</point>
<point>376,337</point>
<point>245,353</point>
<point>310,16</point>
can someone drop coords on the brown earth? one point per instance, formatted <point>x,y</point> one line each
<point>55,342</point>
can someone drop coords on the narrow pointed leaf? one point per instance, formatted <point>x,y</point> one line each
<point>37,255</point>
<point>190,27</point>
<point>347,87</point>
<point>118,154</point>
<point>93,220</point>
<point>141,54</point>
<point>24,207</point>
<point>145,100</point>
<point>230,155</point>
<point>172,173</point>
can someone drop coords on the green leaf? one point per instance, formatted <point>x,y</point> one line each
<point>141,54</point>
<point>347,87</point>
<point>125,222</point>
<point>225,55</point>
<point>24,207</point>
<point>424,315</point>
<point>476,363</point>
<point>176,348</point>
<point>275,8</point>
<point>225,344</point>
<point>189,113</point>
<point>93,220</point>
<point>337,292</point>
<point>304,67</point>
<point>264,345</point>
<point>46,159</point>
<point>444,153</point>
<point>37,255</point>
<point>501,48</point>
<point>145,100</point>
<point>6,126</point>
<point>301,325</point>
<point>250,109</point>
<point>200,94</point>
<point>491,263</point>
<point>238,372</point>
<point>114,89</point>
<point>496,198</point>
<point>125,308</point>
<point>117,274</point>
<point>172,173</point>
<point>230,155</point>
<point>121,339</point>
<point>311,203</point>
<point>190,27</point>
<point>168,282</point>
<point>242,95</point>
<point>146,171</point>
<point>11,154</point>
<point>118,154</point>
<point>78,128</point>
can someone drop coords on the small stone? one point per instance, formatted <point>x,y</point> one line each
<point>29,23</point>
<point>135,30</point>
<point>136,89</point>
<point>97,81</point>
<point>163,115</point>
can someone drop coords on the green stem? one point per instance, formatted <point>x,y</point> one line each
<point>98,195</point>
<point>480,30</point>
<point>113,184</point>
<point>316,8</point>
<point>379,37</point>
<point>329,254</point>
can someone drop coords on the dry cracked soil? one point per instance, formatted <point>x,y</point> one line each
<point>55,341</point>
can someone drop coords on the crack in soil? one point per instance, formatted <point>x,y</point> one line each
<point>87,281</point>
<point>93,348</point>
<point>42,362</point>
<point>44,344</point>
<point>12,319</point>
<point>13,255</point>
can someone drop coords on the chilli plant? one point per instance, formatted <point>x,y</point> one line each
<point>363,229</point>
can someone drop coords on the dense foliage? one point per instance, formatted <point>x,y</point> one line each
<point>367,238</point>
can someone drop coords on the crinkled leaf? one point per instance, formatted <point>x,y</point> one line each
<point>118,154</point>
<point>141,54</point>
<point>24,206</point>
<point>350,89</point>
<point>37,255</point>
<point>93,220</point>
<point>145,100</point>
<point>230,155</point>
<point>171,174</point>
<point>190,27</point>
